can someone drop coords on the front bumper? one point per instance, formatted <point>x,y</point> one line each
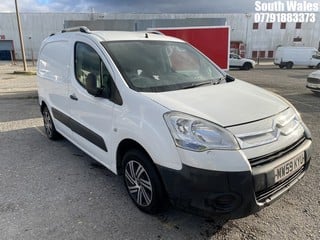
<point>313,84</point>
<point>314,87</point>
<point>231,194</point>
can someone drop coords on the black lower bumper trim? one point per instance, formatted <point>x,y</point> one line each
<point>210,193</point>
<point>229,194</point>
<point>269,193</point>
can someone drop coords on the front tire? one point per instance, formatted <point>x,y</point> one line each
<point>143,183</point>
<point>49,127</point>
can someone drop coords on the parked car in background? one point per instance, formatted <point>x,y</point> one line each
<point>302,56</point>
<point>313,82</point>
<point>236,61</point>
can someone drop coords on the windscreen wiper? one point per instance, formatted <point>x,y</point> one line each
<point>218,80</point>
<point>209,82</point>
<point>194,85</point>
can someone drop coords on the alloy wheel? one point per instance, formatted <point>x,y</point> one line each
<point>47,122</point>
<point>138,183</point>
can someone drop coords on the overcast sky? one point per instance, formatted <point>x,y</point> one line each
<point>130,6</point>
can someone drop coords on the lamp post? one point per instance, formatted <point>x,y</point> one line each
<point>31,49</point>
<point>247,29</point>
<point>21,39</point>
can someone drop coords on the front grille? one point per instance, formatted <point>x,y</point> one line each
<point>313,80</point>
<point>275,155</point>
<point>265,194</point>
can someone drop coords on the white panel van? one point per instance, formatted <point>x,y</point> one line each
<point>156,111</point>
<point>301,56</point>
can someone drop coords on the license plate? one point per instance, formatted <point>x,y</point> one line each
<point>288,168</point>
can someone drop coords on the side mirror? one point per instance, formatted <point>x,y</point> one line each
<point>94,91</point>
<point>229,78</point>
<point>91,85</point>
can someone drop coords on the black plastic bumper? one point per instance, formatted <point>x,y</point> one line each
<point>229,194</point>
<point>209,193</point>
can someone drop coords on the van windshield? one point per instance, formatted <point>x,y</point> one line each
<point>157,66</point>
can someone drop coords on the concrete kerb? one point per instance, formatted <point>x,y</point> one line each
<point>264,62</point>
<point>25,72</point>
<point>16,66</point>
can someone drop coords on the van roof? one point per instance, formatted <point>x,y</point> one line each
<point>126,35</point>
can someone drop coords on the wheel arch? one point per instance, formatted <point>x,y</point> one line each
<point>124,146</point>
<point>43,105</point>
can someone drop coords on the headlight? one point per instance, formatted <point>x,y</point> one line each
<point>197,134</point>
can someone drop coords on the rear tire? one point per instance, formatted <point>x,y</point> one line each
<point>49,127</point>
<point>247,66</point>
<point>289,65</point>
<point>143,183</point>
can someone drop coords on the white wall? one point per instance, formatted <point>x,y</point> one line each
<point>38,26</point>
<point>264,39</point>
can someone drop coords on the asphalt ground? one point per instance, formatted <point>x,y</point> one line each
<point>52,190</point>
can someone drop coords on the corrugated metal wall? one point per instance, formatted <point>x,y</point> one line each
<point>141,24</point>
<point>37,26</point>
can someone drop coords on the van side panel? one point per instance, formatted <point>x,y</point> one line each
<point>297,55</point>
<point>54,61</point>
<point>54,77</point>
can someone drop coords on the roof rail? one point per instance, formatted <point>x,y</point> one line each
<point>155,32</point>
<point>83,29</point>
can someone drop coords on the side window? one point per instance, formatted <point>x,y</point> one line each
<point>90,71</point>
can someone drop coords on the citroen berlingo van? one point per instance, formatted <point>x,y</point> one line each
<point>179,130</point>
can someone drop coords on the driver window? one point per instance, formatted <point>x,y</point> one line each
<point>90,71</point>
